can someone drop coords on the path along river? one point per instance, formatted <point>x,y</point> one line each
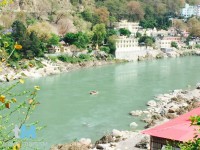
<point>70,112</point>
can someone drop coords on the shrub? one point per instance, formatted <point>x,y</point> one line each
<point>105,49</point>
<point>85,57</point>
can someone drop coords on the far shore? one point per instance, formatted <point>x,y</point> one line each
<point>52,68</point>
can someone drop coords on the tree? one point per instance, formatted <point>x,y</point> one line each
<point>79,39</point>
<point>147,40</point>
<point>103,15</point>
<point>194,27</point>
<point>82,40</point>
<point>19,31</point>
<point>99,31</point>
<point>135,10</point>
<point>54,40</point>
<point>42,29</point>
<point>35,46</point>
<point>174,44</point>
<point>112,43</point>
<point>124,32</point>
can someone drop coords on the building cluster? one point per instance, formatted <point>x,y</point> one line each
<point>163,38</point>
<point>189,11</point>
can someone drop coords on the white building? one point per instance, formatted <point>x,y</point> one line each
<point>189,11</point>
<point>133,27</point>
<point>124,42</point>
<point>165,43</point>
<point>127,48</point>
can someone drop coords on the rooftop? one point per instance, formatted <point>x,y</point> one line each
<point>178,129</point>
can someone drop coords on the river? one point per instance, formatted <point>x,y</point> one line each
<point>70,112</point>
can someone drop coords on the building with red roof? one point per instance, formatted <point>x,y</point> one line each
<point>175,130</point>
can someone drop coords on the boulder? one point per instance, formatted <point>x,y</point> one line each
<point>116,133</point>
<point>133,125</point>
<point>136,113</point>
<point>85,141</point>
<point>198,86</point>
<point>151,103</point>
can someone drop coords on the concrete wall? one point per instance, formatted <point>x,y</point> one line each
<point>130,54</point>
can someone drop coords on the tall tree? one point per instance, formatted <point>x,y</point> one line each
<point>99,31</point>
<point>135,10</point>
<point>19,31</point>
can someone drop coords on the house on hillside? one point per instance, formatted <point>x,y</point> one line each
<point>133,27</point>
<point>175,131</point>
<point>189,11</point>
<point>165,42</point>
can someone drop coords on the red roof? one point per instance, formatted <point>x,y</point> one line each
<point>177,129</point>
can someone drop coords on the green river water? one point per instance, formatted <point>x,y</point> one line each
<point>70,112</point>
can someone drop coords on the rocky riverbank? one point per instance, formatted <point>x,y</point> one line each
<point>161,109</point>
<point>50,67</point>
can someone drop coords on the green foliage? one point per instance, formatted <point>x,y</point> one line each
<point>111,42</point>
<point>79,39</point>
<point>68,59</point>
<point>146,40</point>
<point>30,21</point>
<point>85,57</point>
<point>124,32</point>
<point>154,20</point>
<point>19,32</point>
<point>138,35</point>
<point>197,46</point>
<point>174,44</point>
<point>21,104</point>
<point>54,40</point>
<point>111,32</point>
<point>99,31</point>
<point>87,15</point>
<point>105,49</point>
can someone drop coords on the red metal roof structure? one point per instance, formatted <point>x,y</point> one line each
<point>178,129</point>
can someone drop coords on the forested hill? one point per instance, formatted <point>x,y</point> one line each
<point>89,12</point>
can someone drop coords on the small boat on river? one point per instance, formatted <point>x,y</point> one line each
<point>94,92</point>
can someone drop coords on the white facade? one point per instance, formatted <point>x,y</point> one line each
<point>124,42</point>
<point>133,27</point>
<point>127,48</point>
<point>189,11</point>
<point>165,43</point>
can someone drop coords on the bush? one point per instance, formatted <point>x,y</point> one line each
<point>105,49</point>
<point>85,57</point>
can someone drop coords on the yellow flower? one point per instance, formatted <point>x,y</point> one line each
<point>30,101</point>
<point>31,65</point>
<point>18,46</point>
<point>2,98</point>
<point>37,88</point>
<point>21,81</point>
<point>17,146</point>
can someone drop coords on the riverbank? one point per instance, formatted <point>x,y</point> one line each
<point>161,109</point>
<point>49,67</point>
